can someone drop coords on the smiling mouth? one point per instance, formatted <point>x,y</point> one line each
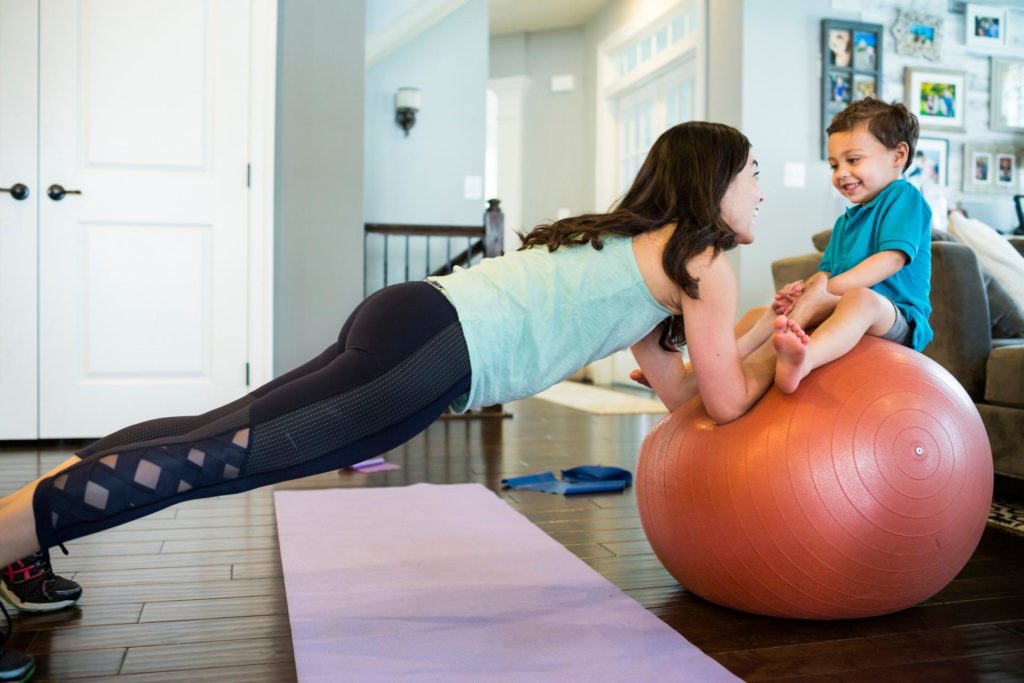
<point>849,188</point>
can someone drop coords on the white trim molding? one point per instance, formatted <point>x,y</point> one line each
<point>510,93</point>
<point>262,131</point>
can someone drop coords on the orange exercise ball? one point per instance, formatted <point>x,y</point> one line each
<point>862,493</point>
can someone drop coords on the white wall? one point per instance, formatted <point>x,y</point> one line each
<point>419,178</point>
<point>318,213</point>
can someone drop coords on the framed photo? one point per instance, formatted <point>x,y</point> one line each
<point>931,163</point>
<point>937,96</point>
<point>1006,95</point>
<point>840,47</point>
<point>918,34</point>
<point>986,27</point>
<point>991,169</point>
<point>1006,170</point>
<point>981,168</point>
<point>864,86</point>
<point>865,47</point>
<point>851,67</point>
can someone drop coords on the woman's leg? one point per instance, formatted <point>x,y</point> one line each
<point>401,360</point>
<point>176,426</point>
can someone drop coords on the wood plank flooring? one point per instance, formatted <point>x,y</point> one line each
<point>195,592</point>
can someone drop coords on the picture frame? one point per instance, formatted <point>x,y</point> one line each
<point>938,97</point>
<point>918,34</point>
<point>1005,171</point>
<point>930,165</point>
<point>851,67</point>
<point>1006,95</point>
<point>985,27</point>
<point>991,169</point>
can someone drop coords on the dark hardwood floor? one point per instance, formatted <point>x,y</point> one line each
<point>194,593</point>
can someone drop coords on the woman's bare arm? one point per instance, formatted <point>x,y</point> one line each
<point>729,383</point>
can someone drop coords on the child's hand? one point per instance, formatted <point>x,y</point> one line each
<point>786,297</point>
<point>638,377</point>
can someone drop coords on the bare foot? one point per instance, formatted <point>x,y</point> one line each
<point>815,302</point>
<point>790,343</point>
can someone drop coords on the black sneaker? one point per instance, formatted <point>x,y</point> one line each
<point>31,586</point>
<point>15,667</point>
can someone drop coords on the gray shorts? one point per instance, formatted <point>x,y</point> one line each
<point>900,331</point>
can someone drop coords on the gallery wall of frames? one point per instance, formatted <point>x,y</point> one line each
<point>959,69</point>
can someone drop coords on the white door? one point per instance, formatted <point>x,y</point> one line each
<point>18,88</point>
<point>143,109</point>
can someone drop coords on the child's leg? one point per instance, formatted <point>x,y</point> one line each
<point>860,311</point>
<point>815,304</point>
<point>403,361</point>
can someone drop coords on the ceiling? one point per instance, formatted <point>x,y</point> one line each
<point>520,16</point>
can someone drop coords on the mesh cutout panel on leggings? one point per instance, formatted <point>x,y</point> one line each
<point>107,485</point>
<point>325,426</point>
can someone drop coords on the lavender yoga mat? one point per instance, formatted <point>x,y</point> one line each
<point>448,583</point>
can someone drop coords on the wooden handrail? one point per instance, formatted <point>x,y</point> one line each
<point>426,230</point>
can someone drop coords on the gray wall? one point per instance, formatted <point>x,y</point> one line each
<point>419,178</point>
<point>507,55</point>
<point>318,213</point>
<point>780,114</point>
<point>555,145</point>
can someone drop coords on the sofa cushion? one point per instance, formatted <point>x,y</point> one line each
<point>1004,376</point>
<point>994,252</point>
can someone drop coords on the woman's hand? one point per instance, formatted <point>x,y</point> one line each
<point>639,377</point>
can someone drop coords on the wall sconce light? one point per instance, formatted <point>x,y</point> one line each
<point>407,103</point>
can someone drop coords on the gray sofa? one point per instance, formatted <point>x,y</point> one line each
<point>979,339</point>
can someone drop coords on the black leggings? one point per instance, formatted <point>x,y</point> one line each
<point>400,360</point>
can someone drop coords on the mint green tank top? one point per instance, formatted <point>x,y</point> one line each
<point>532,318</point>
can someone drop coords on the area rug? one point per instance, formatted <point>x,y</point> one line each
<point>598,400</point>
<point>449,583</point>
<point>1007,513</point>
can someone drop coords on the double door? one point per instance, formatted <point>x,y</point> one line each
<point>123,221</point>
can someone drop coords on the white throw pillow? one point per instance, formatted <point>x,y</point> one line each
<point>994,251</point>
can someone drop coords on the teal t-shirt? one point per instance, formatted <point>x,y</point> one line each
<point>898,218</point>
<point>532,318</point>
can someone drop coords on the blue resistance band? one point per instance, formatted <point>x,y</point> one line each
<point>584,479</point>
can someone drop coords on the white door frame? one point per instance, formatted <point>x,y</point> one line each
<point>262,127</point>
<point>510,93</point>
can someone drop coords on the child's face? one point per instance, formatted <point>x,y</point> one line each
<point>861,165</point>
<point>741,202</point>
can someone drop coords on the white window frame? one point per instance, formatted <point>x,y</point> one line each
<point>611,86</point>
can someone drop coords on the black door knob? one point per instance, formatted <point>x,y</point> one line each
<point>57,192</point>
<point>18,190</point>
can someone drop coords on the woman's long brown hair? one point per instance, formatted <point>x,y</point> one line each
<point>682,181</point>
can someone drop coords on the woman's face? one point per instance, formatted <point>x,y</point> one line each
<point>742,201</point>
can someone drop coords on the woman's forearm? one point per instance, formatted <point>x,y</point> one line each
<point>758,334</point>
